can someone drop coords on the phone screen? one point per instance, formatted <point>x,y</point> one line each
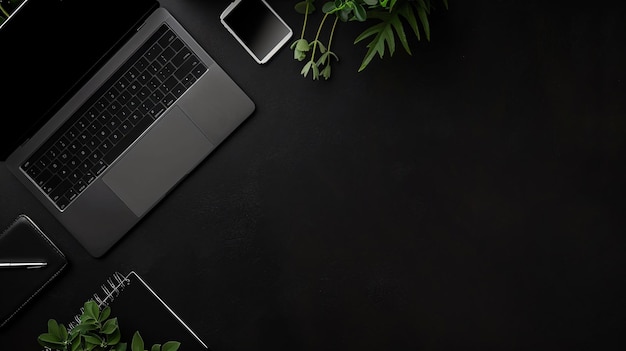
<point>257,27</point>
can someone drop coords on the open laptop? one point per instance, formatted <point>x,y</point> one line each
<point>105,107</point>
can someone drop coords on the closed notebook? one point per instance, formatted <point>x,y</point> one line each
<point>23,241</point>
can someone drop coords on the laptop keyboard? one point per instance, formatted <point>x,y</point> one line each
<point>114,117</point>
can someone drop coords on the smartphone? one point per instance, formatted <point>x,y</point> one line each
<point>257,27</point>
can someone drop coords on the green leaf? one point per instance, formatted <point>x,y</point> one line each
<point>63,332</point>
<point>105,313</point>
<point>109,326</point>
<point>53,327</point>
<point>409,15</point>
<point>373,30</point>
<point>390,40</point>
<point>382,33</point>
<point>344,15</point>
<point>170,346</point>
<point>371,2</point>
<point>316,71</point>
<point>360,13</point>
<point>329,7</point>
<point>299,55</point>
<point>303,45</point>
<point>307,67</point>
<point>320,45</point>
<point>76,346</point>
<point>74,336</point>
<point>423,16</point>
<point>93,339</point>
<point>91,309</point>
<point>137,342</point>
<point>326,72</point>
<point>120,347</point>
<point>50,340</point>
<point>302,9</point>
<point>156,347</point>
<point>382,36</point>
<point>84,327</point>
<point>115,337</point>
<point>322,59</point>
<point>300,48</point>
<point>325,58</point>
<point>397,25</point>
<point>86,318</point>
<point>310,67</point>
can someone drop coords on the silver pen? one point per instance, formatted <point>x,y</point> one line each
<point>28,265</point>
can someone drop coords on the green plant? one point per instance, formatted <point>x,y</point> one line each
<point>95,332</point>
<point>391,16</point>
<point>7,7</point>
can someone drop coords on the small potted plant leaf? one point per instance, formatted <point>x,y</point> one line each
<point>392,20</point>
<point>96,331</point>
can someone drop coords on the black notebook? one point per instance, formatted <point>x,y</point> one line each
<point>139,308</point>
<point>21,243</point>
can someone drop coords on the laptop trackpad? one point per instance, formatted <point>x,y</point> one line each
<point>170,150</point>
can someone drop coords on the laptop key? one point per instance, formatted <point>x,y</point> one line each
<point>186,67</point>
<point>127,140</point>
<point>42,177</point>
<point>51,184</point>
<point>62,203</point>
<point>60,189</point>
<point>199,70</point>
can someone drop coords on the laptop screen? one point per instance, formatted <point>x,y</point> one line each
<point>50,47</point>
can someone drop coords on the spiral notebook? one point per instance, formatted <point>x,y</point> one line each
<point>139,308</point>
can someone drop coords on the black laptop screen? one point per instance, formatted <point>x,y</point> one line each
<point>48,48</point>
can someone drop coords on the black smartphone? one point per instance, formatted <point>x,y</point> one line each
<point>257,27</point>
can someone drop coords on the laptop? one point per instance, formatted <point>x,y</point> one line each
<point>106,108</point>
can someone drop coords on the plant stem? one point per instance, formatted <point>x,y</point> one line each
<point>6,14</point>
<point>332,33</point>
<point>306,17</point>
<point>317,36</point>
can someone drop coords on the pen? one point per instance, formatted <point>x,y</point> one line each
<point>28,265</point>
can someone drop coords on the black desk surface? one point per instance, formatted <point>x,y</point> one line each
<point>468,196</point>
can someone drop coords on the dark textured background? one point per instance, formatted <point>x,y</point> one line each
<point>466,197</point>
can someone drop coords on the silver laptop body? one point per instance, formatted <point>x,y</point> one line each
<point>180,138</point>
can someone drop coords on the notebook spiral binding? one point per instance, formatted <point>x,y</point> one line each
<point>110,290</point>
